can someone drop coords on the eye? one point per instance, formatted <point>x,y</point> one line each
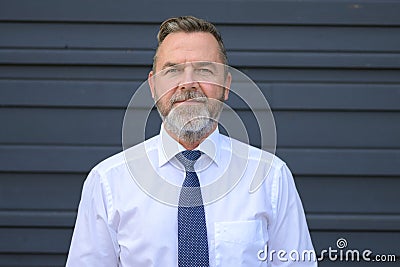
<point>171,70</point>
<point>205,71</point>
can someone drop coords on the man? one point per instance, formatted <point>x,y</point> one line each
<point>120,223</point>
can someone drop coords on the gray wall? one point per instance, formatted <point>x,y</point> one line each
<point>329,70</point>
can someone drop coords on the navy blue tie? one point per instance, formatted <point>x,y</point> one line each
<point>192,229</point>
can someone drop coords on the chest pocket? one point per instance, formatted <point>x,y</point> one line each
<point>237,243</point>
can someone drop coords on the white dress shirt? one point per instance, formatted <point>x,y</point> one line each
<point>125,221</point>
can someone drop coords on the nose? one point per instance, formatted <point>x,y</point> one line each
<point>188,80</point>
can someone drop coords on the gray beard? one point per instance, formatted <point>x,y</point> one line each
<point>189,123</point>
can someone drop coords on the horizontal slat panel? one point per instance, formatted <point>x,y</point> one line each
<point>378,242</point>
<point>257,74</point>
<point>75,73</point>
<point>337,129</point>
<point>294,128</point>
<point>78,35</point>
<point>76,57</point>
<point>310,38</point>
<point>32,260</point>
<point>333,195</point>
<point>302,161</point>
<point>248,59</point>
<point>322,75</point>
<point>38,218</point>
<point>52,159</point>
<point>272,12</point>
<point>342,161</point>
<point>335,96</point>
<point>54,193</point>
<point>311,129</point>
<point>35,240</point>
<point>308,96</point>
<point>311,60</point>
<point>253,37</point>
<point>67,93</point>
<point>57,193</point>
<point>63,126</point>
<point>353,222</point>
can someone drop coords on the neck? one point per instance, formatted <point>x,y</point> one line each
<point>190,145</point>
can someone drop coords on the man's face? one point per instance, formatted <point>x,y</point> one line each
<point>190,82</point>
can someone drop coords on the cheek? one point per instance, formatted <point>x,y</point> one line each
<point>213,91</point>
<point>163,95</point>
<point>163,89</point>
<point>163,106</point>
<point>164,103</point>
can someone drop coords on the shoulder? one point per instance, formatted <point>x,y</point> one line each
<point>119,160</point>
<point>251,153</point>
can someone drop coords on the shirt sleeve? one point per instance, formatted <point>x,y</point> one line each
<point>93,241</point>
<point>289,231</point>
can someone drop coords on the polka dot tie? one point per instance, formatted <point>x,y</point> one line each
<point>192,229</point>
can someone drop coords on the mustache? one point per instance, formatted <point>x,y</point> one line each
<point>188,95</point>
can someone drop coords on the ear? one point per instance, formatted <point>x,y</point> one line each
<point>150,80</point>
<point>227,85</point>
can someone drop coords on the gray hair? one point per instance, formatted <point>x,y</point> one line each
<point>189,24</point>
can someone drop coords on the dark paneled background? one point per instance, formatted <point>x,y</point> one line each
<point>330,71</point>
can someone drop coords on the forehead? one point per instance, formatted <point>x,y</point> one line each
<point>181,47</point>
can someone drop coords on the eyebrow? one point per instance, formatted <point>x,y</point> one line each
<point>196,64</point>
<point>169,64</point>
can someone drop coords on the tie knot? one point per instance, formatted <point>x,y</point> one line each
<point>188,159</point>
<point>192,155</point>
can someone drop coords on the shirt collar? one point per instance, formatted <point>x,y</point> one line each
<point>169,147</point>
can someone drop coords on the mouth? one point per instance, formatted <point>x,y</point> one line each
<point>192,101</point>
